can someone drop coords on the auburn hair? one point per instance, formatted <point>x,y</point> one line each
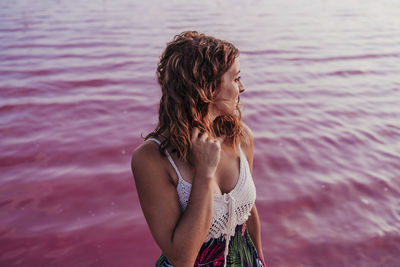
<point>190,73</point>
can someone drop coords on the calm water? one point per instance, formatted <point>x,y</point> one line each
<point>77,89</point>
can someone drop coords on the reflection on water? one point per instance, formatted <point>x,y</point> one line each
<point>78,88</point>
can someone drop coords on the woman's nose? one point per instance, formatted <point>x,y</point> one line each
<point>241,87</point>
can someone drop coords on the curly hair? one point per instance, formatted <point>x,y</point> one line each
<point>189,73</point>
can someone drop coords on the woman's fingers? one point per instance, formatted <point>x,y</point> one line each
<point>211,140</point>
<point>220,139</point>
<point>205,152</point>
<point>195,133</point>
<point>204,137</point>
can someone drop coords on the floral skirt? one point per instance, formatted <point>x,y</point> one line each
<point>242,252</point>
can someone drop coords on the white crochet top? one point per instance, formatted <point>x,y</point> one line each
<point>230,209</point>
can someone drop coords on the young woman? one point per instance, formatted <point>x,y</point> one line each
<point>193,172</point>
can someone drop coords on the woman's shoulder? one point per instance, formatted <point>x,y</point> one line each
<point>247,137</point>
<point>247,144</point>
<point>146,155</point>
<point>146,149</point>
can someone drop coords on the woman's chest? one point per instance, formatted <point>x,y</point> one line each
<point>226,175</point>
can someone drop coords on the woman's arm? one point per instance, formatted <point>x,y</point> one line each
<point>253,223</point>
<point>179,235</point>
<point>253,226</point>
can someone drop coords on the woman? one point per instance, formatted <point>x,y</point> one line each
<point>193,172</point>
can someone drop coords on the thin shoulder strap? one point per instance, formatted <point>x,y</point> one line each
<point>169,158</point>
<point>155,140</point>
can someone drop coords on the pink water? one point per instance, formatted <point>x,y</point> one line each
<point>77,89</point>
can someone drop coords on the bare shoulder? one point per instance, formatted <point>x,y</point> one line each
<point>157,194</point>
<point>147,157</point>
<point>145,154</point>
<point>247,144</point>
<point>247,141</point>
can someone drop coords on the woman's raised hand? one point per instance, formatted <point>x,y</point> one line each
<point>205,153</point>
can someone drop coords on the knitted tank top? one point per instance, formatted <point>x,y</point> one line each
<point>230,209</point>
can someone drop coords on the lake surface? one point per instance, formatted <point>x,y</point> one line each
<point>78,88</point>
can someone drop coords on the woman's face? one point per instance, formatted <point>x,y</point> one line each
<point>227,96</point>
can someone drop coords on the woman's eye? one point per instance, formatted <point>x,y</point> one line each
<point>237,79</point>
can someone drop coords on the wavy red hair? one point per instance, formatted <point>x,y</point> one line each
<point>189,73</point>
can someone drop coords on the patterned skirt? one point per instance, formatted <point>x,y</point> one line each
<point>242,252</point>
